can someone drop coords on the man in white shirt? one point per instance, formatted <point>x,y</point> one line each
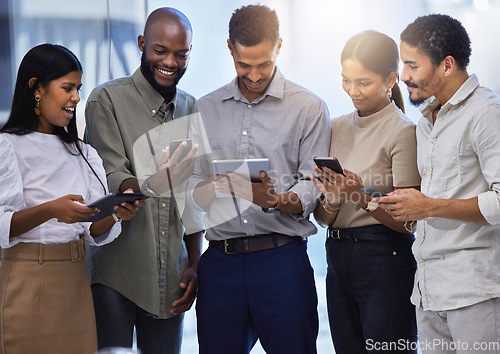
<point>457,286</point>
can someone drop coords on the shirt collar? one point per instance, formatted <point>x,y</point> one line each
<point>461,95</point>
<point>152,98</point>
<point>275,89</point>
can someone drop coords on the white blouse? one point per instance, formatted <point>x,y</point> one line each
<point>36,168</point>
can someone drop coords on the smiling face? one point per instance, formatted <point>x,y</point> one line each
<point>58,101</point>
<point>255,67</point>
<point>165,52</point>
<point>367,90</point>
<point>422,78</point>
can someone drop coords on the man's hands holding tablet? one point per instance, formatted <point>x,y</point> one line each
<point>246,179</point>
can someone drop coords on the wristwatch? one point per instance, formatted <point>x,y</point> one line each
<point>371,206</point>
<point>273,209</point>
<point>147,190</point>
<point>270,210</point>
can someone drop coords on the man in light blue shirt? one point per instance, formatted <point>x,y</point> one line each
<point>457,249</point>
<point>255,280</point>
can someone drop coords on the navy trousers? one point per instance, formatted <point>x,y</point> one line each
<point>368,286</point>
<point>268,295</point>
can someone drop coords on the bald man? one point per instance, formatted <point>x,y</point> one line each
<point>148,279</point>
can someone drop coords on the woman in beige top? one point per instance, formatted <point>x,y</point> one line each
<point>370,264</point>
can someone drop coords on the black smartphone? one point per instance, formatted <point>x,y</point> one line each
<point>331,162</point>
<point>373,192</point>
<point>175,144</point>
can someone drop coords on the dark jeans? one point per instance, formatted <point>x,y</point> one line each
<point>268,295</point>
<point>116,317</point>
<point>368,288</point>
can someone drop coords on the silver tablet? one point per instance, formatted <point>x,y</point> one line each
<point>246,168</point>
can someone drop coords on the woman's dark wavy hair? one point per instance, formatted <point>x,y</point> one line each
<point>438,36</point>
<point>252,24</point>
<point>378,53</point>
<point>45,62</point>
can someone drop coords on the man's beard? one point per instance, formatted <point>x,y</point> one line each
<point>149,75</point>
<point>417,102</point>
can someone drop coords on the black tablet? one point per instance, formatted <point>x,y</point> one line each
<point>106,204</point>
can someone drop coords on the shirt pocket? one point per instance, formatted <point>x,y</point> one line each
<point>446,167</point>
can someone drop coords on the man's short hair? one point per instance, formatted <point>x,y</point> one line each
<point>438,36</point>
<point>252,24</point>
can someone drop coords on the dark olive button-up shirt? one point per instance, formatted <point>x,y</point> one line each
<point>148,259</point>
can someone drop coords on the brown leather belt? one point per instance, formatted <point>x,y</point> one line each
<point>254,243</point>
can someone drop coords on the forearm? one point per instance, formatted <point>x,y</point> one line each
<point>159,182</point>
<point>456,209</point>
<point>132,183</point>
<point>204,194</point>
<point>25,220</point>
<point>381,216</point>
<point>193,246</point>
<point>410,204</point>
<point>400,226</point>
<point>324,217</point>
<point>102,226</point>
<point>289,203</point>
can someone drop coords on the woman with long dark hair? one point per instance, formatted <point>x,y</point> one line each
<point>47,176</point>
<point>370,264</point>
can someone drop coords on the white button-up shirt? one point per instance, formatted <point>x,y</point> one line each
<point>37,168</point>
<point>459,158</point>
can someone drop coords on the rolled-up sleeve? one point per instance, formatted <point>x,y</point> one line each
<point>486,125</point>
<point>315,142</point>
<point>489,205</point>
<point>11,193</point>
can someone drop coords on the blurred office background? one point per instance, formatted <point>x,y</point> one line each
<point>103,34</point>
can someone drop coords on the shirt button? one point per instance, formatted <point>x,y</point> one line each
<point>432,141</point>
<point>153,112</point>
<point>163,205</point>
<point>245,221</point>
<point>162,261</point>
<point>163,233</point>
<point>249,105</point>
<point>245,132</point>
